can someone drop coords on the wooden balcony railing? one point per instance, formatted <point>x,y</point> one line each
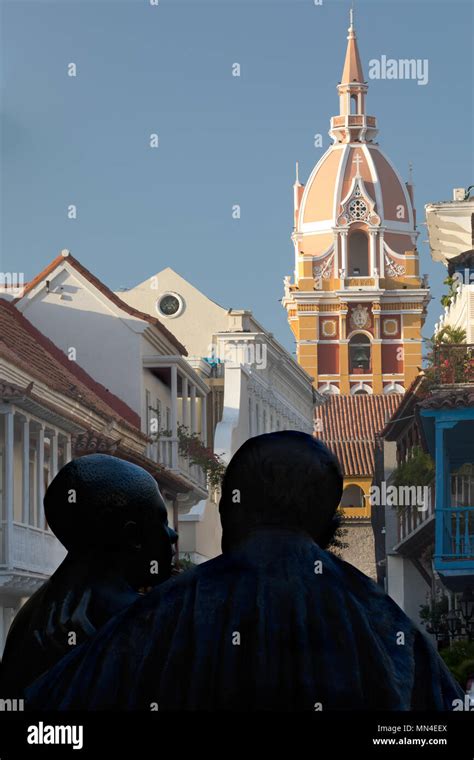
<point>458,533</point>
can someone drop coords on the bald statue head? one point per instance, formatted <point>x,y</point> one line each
<point>286,479</point>
<point>105,507</point>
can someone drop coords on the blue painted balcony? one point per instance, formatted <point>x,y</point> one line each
<point>456,544</point>
<point>447,422</point>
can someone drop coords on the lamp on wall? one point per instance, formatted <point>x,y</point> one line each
<point>466,605</point>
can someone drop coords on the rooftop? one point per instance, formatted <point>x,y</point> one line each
<point>349,425</point>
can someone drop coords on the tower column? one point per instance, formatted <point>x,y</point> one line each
<point>372,248</point>
<point>343,351</point>
<point>343,237</point>
<point>381,255</point>
<point>377,383</point>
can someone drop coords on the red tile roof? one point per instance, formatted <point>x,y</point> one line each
<point>105,291</point>
<point>28,348</point>
<point>449,398</point>
<point>348,425</point>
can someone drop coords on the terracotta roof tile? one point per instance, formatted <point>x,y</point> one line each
<point>22,343</point>
<point>449,398</point>
<point>106,291</point>
<point>348,425</point>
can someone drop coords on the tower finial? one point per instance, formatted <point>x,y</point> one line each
<point>351,29</point>
<point>297,180</point>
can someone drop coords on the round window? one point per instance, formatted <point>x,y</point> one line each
<point>170,305</point>
<point>357,209</point>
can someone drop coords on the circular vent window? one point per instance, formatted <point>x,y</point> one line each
<point>170,305</point>
<point>357,209</point>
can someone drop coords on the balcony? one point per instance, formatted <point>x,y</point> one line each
<point>416,523</point>
<point>457,535</point>
<point>447,422</point>
<point>167,453</point>
<point>187,411</point>
<point>353,120</point>
<point>27,549</point>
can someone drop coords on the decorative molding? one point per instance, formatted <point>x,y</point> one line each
<point>393,269</point>
<point>329,328</point>
<point>387,329</point>
<point>323,270</point>
<point>360,317</point>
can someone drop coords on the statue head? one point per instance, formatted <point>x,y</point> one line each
<point>285,479</point>
<point>110,510</point>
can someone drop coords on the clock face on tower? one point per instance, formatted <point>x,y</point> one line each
<point>357,209</point>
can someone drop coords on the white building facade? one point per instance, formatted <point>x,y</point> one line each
<point>47,405</point>
<point>132,354</point>
<point>256,385</point>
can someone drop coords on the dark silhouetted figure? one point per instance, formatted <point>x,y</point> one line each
<point>274,623</point>
<point>110,516</point>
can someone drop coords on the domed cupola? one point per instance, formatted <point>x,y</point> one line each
<point>357,301</point>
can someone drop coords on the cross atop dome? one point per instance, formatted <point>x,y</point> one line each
<point>357,160</point>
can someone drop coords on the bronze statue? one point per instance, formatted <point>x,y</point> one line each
<point>111,517</point>
<point>274,623</point>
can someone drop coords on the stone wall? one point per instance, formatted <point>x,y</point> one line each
<point>361,549</point>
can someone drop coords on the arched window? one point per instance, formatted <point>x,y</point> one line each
<point>358,261</point>
<point>353,103</point>
<point>393,388</point>
<point>359,354</point>
<point>352,497</point>
<point>329,388</point>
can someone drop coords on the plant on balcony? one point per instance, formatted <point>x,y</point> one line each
<point>192,448</point>
<point>446,365</point>
<point>453,285</point>
<point>418,470</point>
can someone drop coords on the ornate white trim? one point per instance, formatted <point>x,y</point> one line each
<point>323,270</point>
<point>393,388</point>
<point>329,388</point>
<point>392,268</point>
<point>361,387</point>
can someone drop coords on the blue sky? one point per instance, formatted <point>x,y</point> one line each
<point>223,140</point>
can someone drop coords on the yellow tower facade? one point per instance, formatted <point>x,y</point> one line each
<point>356,302</point>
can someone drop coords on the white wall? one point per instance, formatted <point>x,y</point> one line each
<point>461,312</point>
<point>107,347</point>
<point>406,586</point>
<point>201,316</point>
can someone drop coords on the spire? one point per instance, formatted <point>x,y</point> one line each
<point>297,178</point>
<point>352,124</point>
<point>297,193</point>
<point>352,66</point>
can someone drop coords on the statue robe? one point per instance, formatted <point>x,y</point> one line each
<point>275,624</point>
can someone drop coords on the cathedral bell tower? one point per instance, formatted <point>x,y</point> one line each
<point>356,304</point>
